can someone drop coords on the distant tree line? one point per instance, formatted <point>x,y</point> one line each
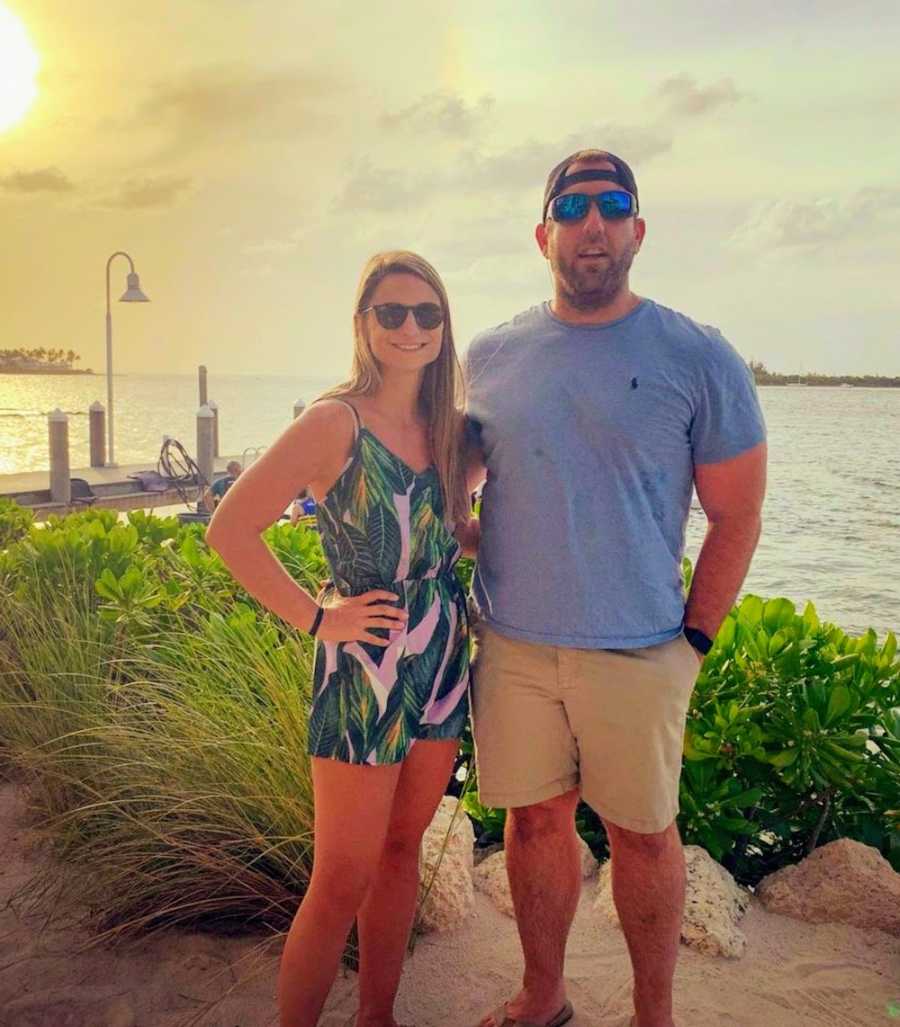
<point>38,359</point>
<point>764,376</point>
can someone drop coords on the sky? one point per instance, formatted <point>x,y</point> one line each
<point>250,156</point>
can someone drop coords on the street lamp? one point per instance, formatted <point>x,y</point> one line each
<point>132,294</point>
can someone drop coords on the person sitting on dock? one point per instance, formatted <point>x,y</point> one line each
<point>213,495</point>
<point>303,506</point>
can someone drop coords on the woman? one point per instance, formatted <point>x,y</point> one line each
<point>382,456</point>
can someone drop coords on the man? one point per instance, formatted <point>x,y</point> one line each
<point>587,654</point>
<point>213,495</point>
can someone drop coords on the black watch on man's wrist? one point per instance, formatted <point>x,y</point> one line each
<point>702,643</point>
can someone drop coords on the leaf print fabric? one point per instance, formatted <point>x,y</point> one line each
<point>382,526</point>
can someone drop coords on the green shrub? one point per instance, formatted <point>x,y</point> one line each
<point>15,521</point>
<point>792,740</point>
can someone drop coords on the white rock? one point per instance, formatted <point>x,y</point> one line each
<point>714,903</point>
<point>450,897</point>
<point>841,882</point>
<point>589,865</point>
<point>490,876</point>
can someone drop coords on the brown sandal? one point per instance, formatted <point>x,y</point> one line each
<point>502,1018</point>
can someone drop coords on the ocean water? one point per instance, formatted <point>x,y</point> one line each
<point>831,529</point>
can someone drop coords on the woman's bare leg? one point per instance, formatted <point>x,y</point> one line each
<point>352,810</point>
<point>386,916</point>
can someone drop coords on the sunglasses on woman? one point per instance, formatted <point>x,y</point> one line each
<point>393,315</point>
<point>614,205</point>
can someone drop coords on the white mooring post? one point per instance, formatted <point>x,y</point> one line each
<point>215,409</point>
<point>60,481</point>
<point>201,373</point>
<point>299,407</point>
<point>205,443</point>
<point>97,432</point>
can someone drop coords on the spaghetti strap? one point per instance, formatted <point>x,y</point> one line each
<point>357,423</point>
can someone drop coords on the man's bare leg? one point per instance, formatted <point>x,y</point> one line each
<point>648,880</point>
<point>545,880</point>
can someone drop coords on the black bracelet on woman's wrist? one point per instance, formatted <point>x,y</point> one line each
<point>317,620</point>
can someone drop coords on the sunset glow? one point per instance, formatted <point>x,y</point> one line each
<point>19,64</point>
<point>251,178</point>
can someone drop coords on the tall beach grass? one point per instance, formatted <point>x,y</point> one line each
<point>161,731</point>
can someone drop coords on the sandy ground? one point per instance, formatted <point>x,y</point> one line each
<point>793,974</point>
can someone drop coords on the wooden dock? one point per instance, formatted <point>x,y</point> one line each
<point>112,487</point>
<point>61,490</point>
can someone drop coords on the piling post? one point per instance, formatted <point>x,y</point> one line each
<point>201,372</point>
<point>214,406</point>
<point>299,407</point>
<point>60,480</point>
<point>205,444</point>
<point>97,432</point>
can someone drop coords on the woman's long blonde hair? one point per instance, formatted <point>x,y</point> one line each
<point>441,397</point>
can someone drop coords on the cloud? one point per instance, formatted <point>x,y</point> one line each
<point>470,169</point>
<point>42,180</point>
<point>506,234</point>
<point>683,96</point>
<point>442,113</point>
<point>527,165</point>
<point>269,246</point>
<point>788,225</point>
<point>381,190</point>
<point>149,193</point>
<point>220,101</point>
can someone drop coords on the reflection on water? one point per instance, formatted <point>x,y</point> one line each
<point>252,411</point>
<point>832,516</point>
<point>831,530</point>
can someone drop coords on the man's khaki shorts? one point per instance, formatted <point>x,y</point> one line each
<point>609,722</point>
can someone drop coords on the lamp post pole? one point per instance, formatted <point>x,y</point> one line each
<point>132,294</point>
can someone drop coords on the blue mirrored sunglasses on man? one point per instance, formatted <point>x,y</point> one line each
<point>613,204</point>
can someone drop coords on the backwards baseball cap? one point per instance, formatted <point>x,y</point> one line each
<point>558,180</point>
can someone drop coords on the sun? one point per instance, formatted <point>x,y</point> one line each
<point>19,65</point>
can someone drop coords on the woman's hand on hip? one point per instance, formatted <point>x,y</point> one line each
<point>351,618</point>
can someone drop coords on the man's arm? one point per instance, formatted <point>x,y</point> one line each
<point>476,471</point>
<point>731,494</point>
<point>469,535</point>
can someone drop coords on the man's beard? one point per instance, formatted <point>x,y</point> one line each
<point>592,290</point>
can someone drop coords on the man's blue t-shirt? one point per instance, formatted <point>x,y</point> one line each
<point>590,434</point>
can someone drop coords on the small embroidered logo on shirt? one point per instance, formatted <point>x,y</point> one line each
<point>634,383</point>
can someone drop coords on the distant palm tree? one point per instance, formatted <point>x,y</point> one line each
<point>12,356</point>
